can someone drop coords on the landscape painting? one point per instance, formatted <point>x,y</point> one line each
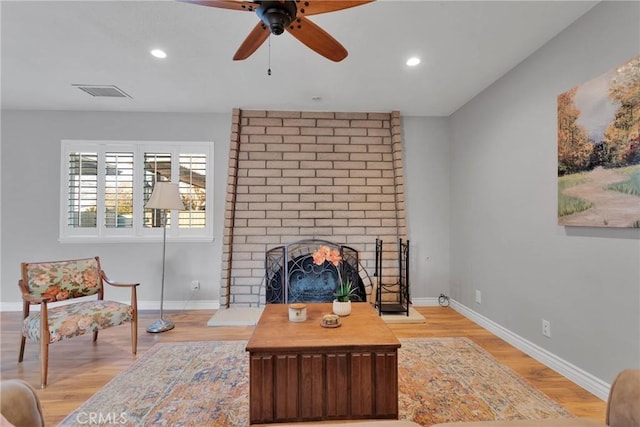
<point>599,150</point>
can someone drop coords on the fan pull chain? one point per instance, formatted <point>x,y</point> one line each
<point>269,65</point>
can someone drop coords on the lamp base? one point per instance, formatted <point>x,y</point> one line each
<point>161,325</point>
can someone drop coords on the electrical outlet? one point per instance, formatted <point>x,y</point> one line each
<point>478,297</point>
<point>546,328</point>
<point>195,285</point>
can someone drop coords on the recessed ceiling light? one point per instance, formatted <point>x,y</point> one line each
<point>159,53</point>
<point>413,61</point>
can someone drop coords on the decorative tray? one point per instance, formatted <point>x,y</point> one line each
<point>327,325</point>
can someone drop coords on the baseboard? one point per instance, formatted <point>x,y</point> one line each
<point>180,305</point>
<point>142,305</point>
<point>580,377</point>
<point>424,302</point>
<point>194,305</point>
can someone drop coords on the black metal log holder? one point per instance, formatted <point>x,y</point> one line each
<point>393,297</point>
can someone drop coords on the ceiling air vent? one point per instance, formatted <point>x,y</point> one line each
<point>109,91</point>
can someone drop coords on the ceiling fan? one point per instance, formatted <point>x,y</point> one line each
<point>276,16</point>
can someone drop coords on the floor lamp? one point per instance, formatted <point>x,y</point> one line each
<point>165,196</point>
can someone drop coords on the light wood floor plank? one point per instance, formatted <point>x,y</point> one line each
<point>78,368</point>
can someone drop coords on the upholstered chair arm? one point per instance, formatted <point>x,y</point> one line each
<point>118,284</point>
<point>20,404</point>
<point>623,406</point>
<point>133,286</point>
<point>35,300</point>
<point>31,299</point>
<point>122,285</point>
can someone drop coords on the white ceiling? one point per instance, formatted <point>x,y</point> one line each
<point>47,46</point>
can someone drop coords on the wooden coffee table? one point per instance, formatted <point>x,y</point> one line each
<point>300,371</point>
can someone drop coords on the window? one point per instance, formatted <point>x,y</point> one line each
<point>106,184</point>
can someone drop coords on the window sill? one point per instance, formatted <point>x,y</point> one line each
<point>134,239</point>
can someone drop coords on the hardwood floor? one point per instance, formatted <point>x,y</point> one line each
<point>78,368</point>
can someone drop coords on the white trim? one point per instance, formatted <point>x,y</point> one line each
<point>180,305</point>
<point>142,305</point>
<point>424,302</point>
<point>10,306</point>
<point>135,239</point>
<point>580,377</point>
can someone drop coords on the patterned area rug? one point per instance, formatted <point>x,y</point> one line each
<point>207,384</point>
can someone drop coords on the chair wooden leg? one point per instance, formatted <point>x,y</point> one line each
<point>95,336</point>
<point>44,361</point>
<point>45,337</point>
<point>134,335</point>
<point>25,314</point>
<point>22,342</point>
<point>134,320</point>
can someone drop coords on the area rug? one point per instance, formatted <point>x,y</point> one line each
<point>207,384</point>
<point>249,316</point>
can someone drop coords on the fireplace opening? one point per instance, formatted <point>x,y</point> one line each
<point>292,276</point>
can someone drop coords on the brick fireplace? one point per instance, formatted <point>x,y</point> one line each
<point>296,175</point>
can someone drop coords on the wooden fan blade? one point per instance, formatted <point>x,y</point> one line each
<point>317,39</point>
<point>316,7</point>
<point>256,37</point>
<point>249,6</point>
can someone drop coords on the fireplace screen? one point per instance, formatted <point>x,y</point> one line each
<point>292,276</point>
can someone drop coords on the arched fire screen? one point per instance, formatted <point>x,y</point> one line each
<point>292,276</point>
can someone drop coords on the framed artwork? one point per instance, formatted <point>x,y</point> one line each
<point>599,150</point>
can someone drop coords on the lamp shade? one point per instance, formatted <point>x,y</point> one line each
<point>165,196</point>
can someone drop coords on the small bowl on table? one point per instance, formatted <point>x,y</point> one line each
<point>330,321</point>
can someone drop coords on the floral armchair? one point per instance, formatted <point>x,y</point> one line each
<point>45,283</point>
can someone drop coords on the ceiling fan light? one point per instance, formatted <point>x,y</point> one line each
<point>277,15</point>
<point>278,20</point>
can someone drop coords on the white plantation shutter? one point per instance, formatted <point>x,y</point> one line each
<point>118,192</point>
<point>193,190</point>
<point>106,184</point>
<point>157,167</point>
<point>82,201</point>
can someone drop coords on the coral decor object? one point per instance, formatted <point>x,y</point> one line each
<point>344,291</point>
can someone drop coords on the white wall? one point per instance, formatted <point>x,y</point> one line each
<point>30,202</point>
<point>427,160</point>
<point>505,240</point>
